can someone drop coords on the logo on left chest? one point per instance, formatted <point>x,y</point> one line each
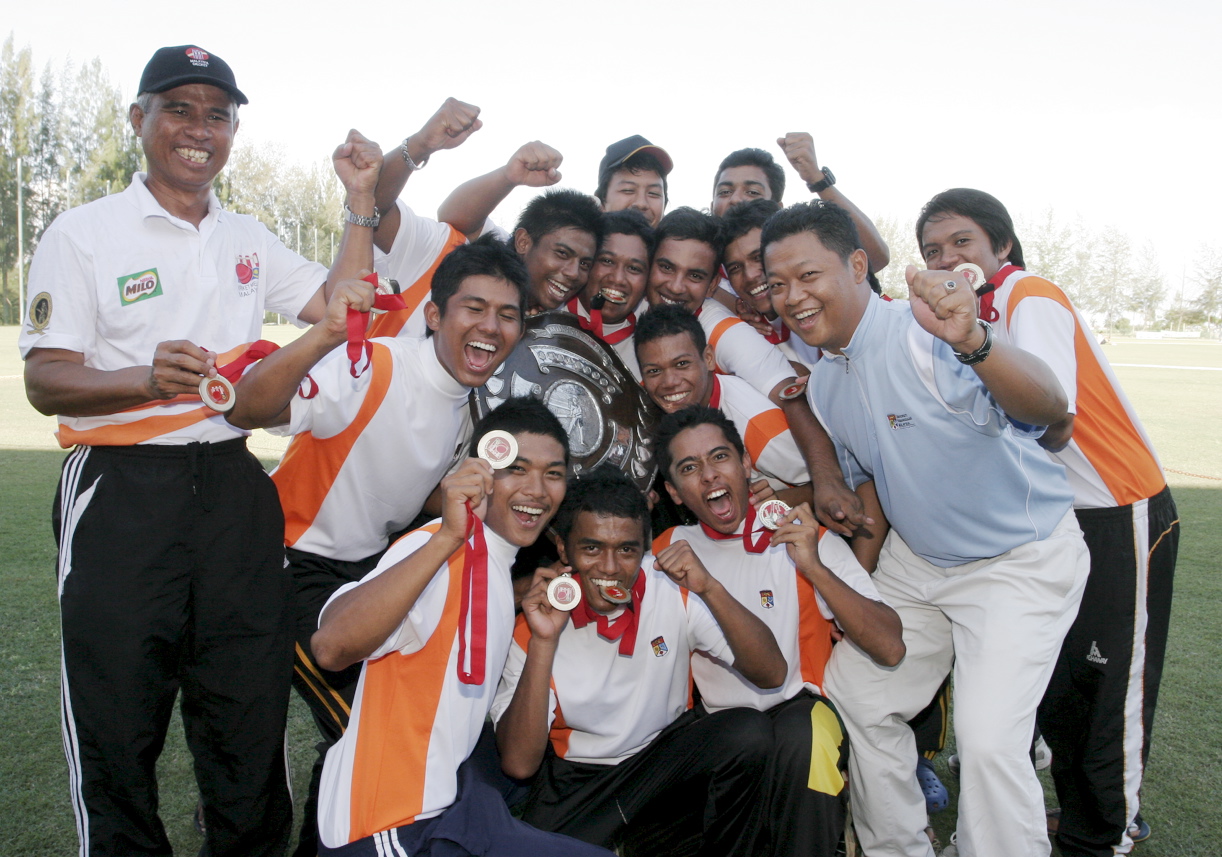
<point>247,271</point>
<point>659,646</point>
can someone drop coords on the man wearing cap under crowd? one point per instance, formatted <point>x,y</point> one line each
<point>633,175</point>
<point>171,564</point>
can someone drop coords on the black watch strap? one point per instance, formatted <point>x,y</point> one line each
<point>829,179</point>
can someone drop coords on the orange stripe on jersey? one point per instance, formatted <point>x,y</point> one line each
<point>1102,427</point>
<point>390,323</point>
<point>814,632</point>
<point>128,434</point>
<point>311,465</point>
<point>761,429</point>
<point>561,733</point>
<point>720,329</point>
<point>398,708</point>
<point>663,541</point>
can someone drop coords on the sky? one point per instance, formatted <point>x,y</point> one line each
<point>1105,111</point>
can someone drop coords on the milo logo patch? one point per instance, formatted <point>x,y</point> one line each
<point>139,286</point>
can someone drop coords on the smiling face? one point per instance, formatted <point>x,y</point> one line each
<point>639,189</point>
<point>186,136</point>
<point>482,324</point>
<point>739,184</point>
<point>818,295</point>
<point>674,374</point>
<point>620,271</point>
<point>745,270</point>
<point>558,264</point>
<point>527,493</point>
<point>606,550</point>
<point>949,240</point>
<point>709,477</point>
<point>684,272</point>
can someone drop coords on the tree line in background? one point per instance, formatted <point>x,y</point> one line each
<point>69,128</point>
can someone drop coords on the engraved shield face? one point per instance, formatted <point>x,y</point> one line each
<point>608,417</point>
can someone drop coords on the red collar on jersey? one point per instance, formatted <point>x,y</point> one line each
<point>623,627</point>
<point>757,545</point>
<point>986,292</point>
<point>778,335</point>
<point>474,603</point>
<point>715,396</point>
<point>594,324</point>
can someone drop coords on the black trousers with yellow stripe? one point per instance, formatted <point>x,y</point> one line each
<point>1098,711</point>
<point>172,578</point>
<point>328,694</point>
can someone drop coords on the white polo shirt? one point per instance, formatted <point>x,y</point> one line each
<point>770,586</point>
<point>419,246</point>
<point>367,451</point>
<point>739,350</point>
<point>604,707</point>
<point>113,278</point>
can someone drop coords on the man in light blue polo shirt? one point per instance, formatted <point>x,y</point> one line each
<point>986,564</point>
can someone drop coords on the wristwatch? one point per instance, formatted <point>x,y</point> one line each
<point>829,179</point>
<point>412,166</point>
<point>982,352</point>
<point>360,219</point>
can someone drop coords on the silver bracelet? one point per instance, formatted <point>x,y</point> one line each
<point>407,159</point>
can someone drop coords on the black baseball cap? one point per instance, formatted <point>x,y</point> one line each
<point>182,64</point>
<point>621,151</point>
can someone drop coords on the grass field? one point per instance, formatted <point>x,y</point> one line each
<point>1181,408</point>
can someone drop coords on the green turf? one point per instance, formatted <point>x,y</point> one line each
<point>1180,410</point>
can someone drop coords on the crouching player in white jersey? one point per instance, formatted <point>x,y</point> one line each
<point>431,627</point>
<point>368,450</point>
<point>801,581</point>
<point>598,709</point>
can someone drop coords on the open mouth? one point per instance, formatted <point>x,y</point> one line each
<point>806,318</point>
<point>673,401</point>
<point>720,503</point>
<point>479,355</point>
<point>527,515</point>
<point>195,156</point>
<point>557,290</point>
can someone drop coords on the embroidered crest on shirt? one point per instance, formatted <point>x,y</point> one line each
<point>139,286</point>
<point>900,421</point>
<point>40,312</point>
<point>766,598</point>
<point>247,270</point>
<point>659,646</point>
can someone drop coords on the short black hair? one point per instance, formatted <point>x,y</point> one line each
<point>605,490</point>
<point>668,320</point>
<point>489,257</point>
<point>742,217</point>
<point>521,415</point>
<point>774,172</point>
<point>629,221</point>
<point>985,210</point>
<point>686,223</point>
<point>639,163</point>
<point>690,417</point>
<point>561,208</point>
<point>828,221</point>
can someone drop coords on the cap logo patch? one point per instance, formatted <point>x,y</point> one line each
<point>139,286</point>
<point>198,57</point>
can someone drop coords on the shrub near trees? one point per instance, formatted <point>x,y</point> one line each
<point>69,127</point>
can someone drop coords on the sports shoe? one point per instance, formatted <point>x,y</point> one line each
<point>953,763</point>
<point>951,850</point>
<point>936,796</point>
<point>1139,831</point>
<point>1042,754</point>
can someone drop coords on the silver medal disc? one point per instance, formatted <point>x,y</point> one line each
<point>498,448</point>
<point>217,393</point>
<point>616,594</point>
<point>564,593</point>
<point>772,512</point>
<point>974,274</point>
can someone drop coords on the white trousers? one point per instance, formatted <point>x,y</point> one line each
<point>1000,622</point>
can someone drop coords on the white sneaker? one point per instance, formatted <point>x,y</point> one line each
<point>952,850</point>
<point>1042,753</point>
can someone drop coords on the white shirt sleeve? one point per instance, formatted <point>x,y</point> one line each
<point>63,271</point>
<point>416,246</point>
<point>336,402</point>
<point>840,561</point>
<point>292,280</point>
<point>703,632</point>
<point>1046,329</point>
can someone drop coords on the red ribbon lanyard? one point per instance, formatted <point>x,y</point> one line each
<point>987,292</point>
<point>358,323</point>
<point>595,324</point>
<point>778,335</point>
<point>758,545</point>
<point>474,603</point>
<point>623,628</point>
<point>232,371</point>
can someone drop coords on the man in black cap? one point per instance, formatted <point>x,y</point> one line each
<point>171,562</point>
<point>633,175</point>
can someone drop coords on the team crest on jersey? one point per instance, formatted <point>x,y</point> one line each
<point>40,312</point>
<point>766,598</point>
<point>140,286</point>
<point>900,421</point>
<point>247,270</point>
<point>659,646</point>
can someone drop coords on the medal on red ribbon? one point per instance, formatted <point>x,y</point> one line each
<point>563,592</point>
<point>358,322</point>
<point>473,606</point>
<point>218,393</point>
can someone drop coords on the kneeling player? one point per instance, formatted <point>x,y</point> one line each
<point>799,580</point>
<point>433,624</point>
<point>611,692</point>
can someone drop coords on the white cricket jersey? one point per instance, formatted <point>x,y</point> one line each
<point>739,350</point>
<point>764,430</point>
